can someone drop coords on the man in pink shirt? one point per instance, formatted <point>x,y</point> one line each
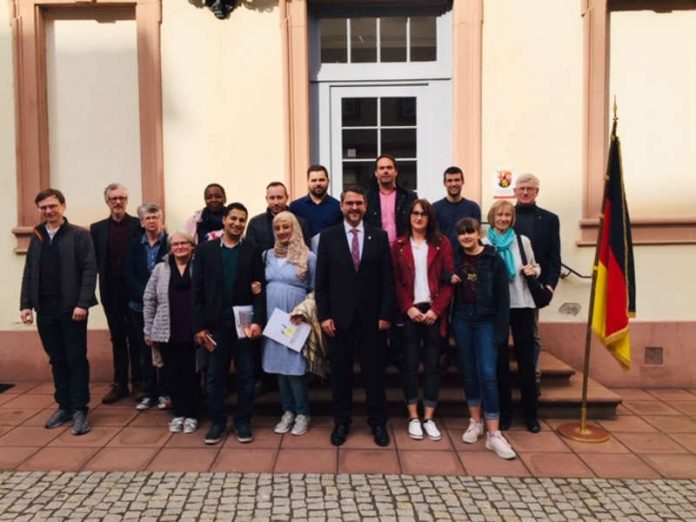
<point>388,204</point>
<point>389,208</point>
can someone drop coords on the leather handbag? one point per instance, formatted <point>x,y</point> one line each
<point>542,296</point>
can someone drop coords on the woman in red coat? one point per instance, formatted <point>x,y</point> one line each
<point>423,296</point>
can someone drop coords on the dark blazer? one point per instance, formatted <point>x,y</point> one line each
<point>78,269</point>
<point>404,199</point>
<point>260,231</point>
<point>341,292</point>
<point>100,238</point>
<point>207,285</point>
<point>137,273</point>
<point>543,230</point>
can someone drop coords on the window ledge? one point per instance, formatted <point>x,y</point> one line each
<point>669,231</point>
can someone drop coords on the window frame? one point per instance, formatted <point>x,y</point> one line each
<point>27,19</point>
<point>596,23</point>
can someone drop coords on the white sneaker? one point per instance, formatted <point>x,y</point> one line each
<point>176,424</point>
<point>301,425</point>
<point>190,425</point>
<point>496,442</point>
<point>145,404</point>
<point>285,423</point>
<point>473,432</point>
<point>415,430</point>
<point>431,430</point>
<point>164,402</point>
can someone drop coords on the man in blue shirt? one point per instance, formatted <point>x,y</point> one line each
<point>449,210</point>
<point>318,208</point>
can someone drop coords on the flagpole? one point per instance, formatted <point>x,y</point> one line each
<point>582,431</point>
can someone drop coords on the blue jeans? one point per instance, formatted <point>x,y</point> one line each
<point>229,347</point>
<point>477,355</point>
<point>293,392</point>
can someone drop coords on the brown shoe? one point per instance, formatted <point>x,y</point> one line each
<point>115,393</point>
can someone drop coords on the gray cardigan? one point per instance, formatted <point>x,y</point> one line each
<point>156,303</point>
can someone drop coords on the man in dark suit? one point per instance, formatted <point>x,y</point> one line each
<point>111,237</point>
<point>228,272</point>
<point>355,303</point>
<point>543,230</point>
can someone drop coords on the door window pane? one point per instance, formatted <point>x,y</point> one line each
<point>334,45</point>
<point>358,173</point>
<point>392,34</point>
<point>399,142</point>
<point>359,112</point>
<point>423,39</point>
<point>363,40</point>
<point>397,112</point>
<point>359,143</point>
<point>407,174</point>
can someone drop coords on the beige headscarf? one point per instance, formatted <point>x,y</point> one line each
<point>296,250</point>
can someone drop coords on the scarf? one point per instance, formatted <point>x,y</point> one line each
<point>208,223</point>
<point>296,250</point>
<point>502,243</point>
<point>178,281</point>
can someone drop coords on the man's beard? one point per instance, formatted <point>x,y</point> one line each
<point>318,192</point>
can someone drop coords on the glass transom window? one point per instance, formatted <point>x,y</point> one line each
<point>384,39</point>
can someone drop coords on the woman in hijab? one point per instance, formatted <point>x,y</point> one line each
<point>290,267</point>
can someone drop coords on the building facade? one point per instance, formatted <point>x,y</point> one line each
<point>164,97</point>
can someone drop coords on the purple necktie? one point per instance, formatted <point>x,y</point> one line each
<point>355,249</point>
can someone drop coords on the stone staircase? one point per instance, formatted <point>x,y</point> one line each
<point>561,393</point>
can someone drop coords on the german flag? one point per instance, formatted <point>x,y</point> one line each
<point>615,286</point>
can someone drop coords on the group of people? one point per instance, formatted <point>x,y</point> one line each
<point>378,268</point>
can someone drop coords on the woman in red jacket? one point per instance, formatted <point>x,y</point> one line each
<point>423,296</point>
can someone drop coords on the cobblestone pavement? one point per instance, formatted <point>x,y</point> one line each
<point>227,496</point>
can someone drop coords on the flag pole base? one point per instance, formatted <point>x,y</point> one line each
<point>591,433</point>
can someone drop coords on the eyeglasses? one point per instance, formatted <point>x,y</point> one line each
<point>180,244</point>
<point>418,213</point>
<point>118,198</point>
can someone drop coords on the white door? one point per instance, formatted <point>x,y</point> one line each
<point>366,121</point>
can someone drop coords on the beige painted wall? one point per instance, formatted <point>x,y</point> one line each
<point>11,273</point>
<point>532,114</point>
<point>93,113</point>
<point>223,118</point>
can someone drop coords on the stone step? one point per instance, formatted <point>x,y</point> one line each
<point>556,401</point>
<point>554,372</point>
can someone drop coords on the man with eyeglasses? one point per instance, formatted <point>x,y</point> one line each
<point>60,275</point>
<point>111,237</point>
<point>543,230</point>
<point>355,305</point>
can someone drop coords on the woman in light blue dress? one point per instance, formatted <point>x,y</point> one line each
<point>290,269</point>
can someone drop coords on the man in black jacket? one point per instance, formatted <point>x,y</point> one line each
<point>111,238</point>
<point>229,273</point>
<point>60,275</point>
<point>543,230</point>
<point>388,203</point>
<point>260,229</point>
<point>355,304</point>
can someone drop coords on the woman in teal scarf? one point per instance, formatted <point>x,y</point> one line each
<point>501,235</point>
